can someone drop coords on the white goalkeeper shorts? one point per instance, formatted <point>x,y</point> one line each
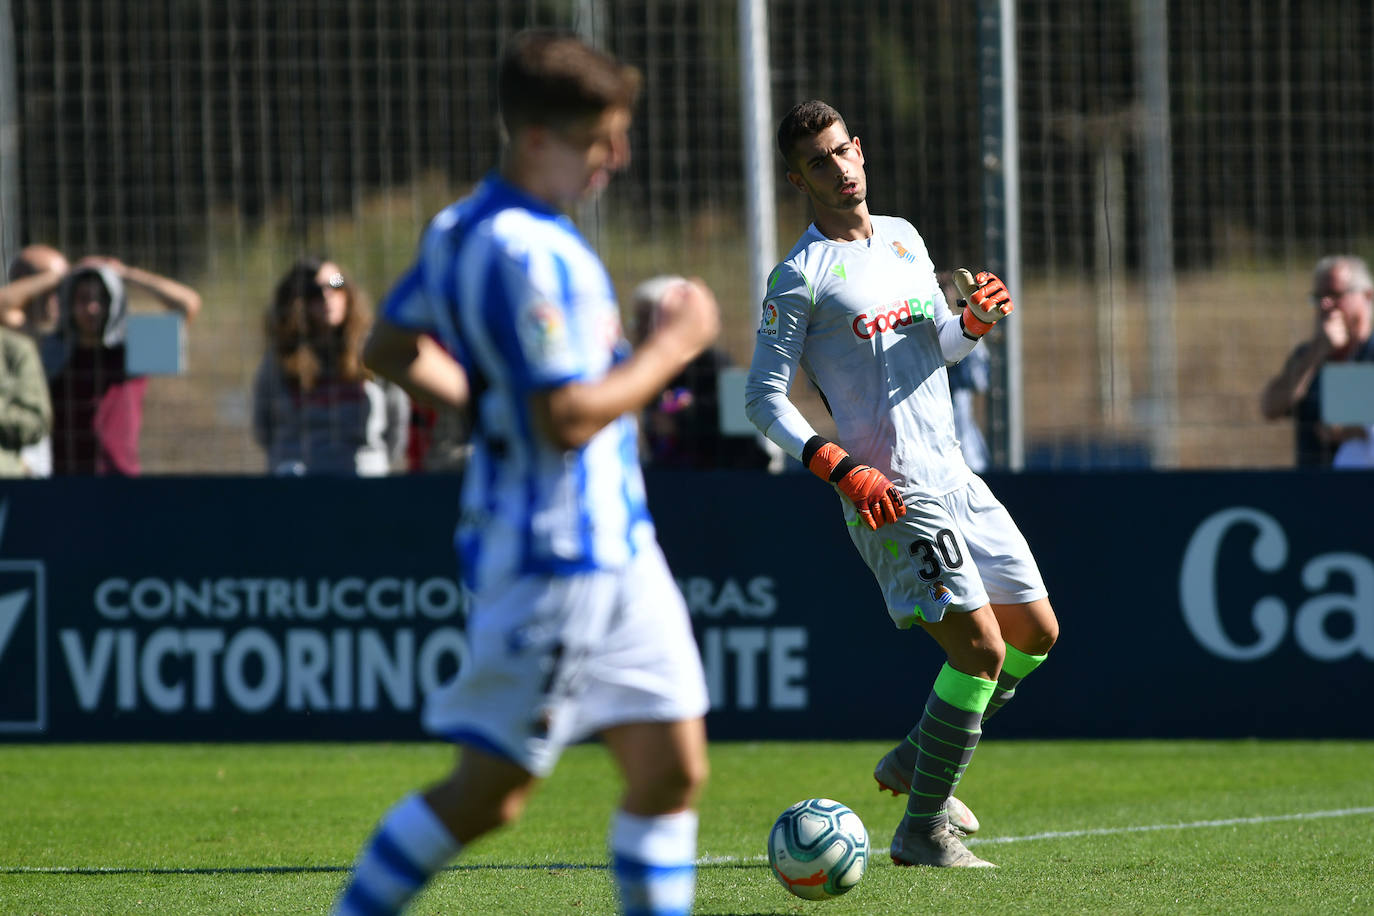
<point>956,552</point>
<point>555,659</point>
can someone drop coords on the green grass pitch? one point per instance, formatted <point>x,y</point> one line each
<point>1075,826</point>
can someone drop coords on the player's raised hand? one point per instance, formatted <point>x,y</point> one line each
<point>686,314</point>
<point>878,501</point>
<point>986,299</point>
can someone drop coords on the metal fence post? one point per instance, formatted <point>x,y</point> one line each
<point>1001,219</point>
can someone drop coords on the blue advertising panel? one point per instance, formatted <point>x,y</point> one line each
<point>1191,605</point>
<point>212,609</point>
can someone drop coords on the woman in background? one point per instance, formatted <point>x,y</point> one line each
<point>316,408</point>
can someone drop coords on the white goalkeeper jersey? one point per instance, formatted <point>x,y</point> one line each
<point>868,324</point>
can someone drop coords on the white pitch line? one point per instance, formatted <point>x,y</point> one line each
<point>1193,825</point>
<point>731,860</point>
<point>1096,831</point>
<point>744,860</point>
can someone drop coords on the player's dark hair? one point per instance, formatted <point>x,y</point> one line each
<point>806,119</point>
<point>554,79</point>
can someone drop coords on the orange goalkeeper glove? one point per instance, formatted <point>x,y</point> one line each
<point>986,298</point>
<point>867,488</point>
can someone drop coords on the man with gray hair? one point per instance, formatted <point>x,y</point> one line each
<point>1343,311</point>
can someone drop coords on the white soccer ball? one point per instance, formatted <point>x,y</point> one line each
<point>818,849</point>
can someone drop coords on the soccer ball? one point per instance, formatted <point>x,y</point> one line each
<point>818,849</point>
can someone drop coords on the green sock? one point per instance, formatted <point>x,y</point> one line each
<point>944,741</point>
<point>1016,666</point>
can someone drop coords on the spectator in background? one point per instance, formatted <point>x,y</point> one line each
<point>25,411</point>
<point>28,303</point>
<point>681,428</point>
<point>1343,312</point>
<point>97,405</point>
<point>440,439</point>
<point>968,380</point>
<point>316,409</point>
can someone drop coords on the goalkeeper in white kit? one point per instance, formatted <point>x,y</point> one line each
<point>857,306</point>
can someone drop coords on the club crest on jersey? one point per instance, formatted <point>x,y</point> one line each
<point>900,251</point>
<point>893,315</point>
<point>768,321</point>
<point>941,595</point>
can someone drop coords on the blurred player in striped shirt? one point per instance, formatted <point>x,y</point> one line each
<point>576,625</point>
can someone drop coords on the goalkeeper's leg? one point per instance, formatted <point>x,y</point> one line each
<point>1029,631</point>
<point>1032,625</point>
<point>946,737</point>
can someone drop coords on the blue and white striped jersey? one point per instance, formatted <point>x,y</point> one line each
<point>509,287</point>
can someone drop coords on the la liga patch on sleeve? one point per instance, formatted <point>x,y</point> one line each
<point>543,331</point>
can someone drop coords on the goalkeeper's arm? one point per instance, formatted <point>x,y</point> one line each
<point>766,403</point>
<point>867,488</point>
<point>771,373</point>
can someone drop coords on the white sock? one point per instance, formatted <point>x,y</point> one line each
<point>653,860</point>
<point>409,845</point>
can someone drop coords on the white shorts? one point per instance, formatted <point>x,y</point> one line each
<point>956,552</point>
<point>553,660</point>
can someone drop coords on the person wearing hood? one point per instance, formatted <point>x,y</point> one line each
<point>97,405</point>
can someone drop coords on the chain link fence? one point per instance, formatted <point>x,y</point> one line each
<point>216,142</point>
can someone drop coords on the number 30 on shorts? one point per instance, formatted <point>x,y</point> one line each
<point>931,557</point>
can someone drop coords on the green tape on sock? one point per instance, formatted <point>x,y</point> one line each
<point>963,691</point>
<point>1018,664</point>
